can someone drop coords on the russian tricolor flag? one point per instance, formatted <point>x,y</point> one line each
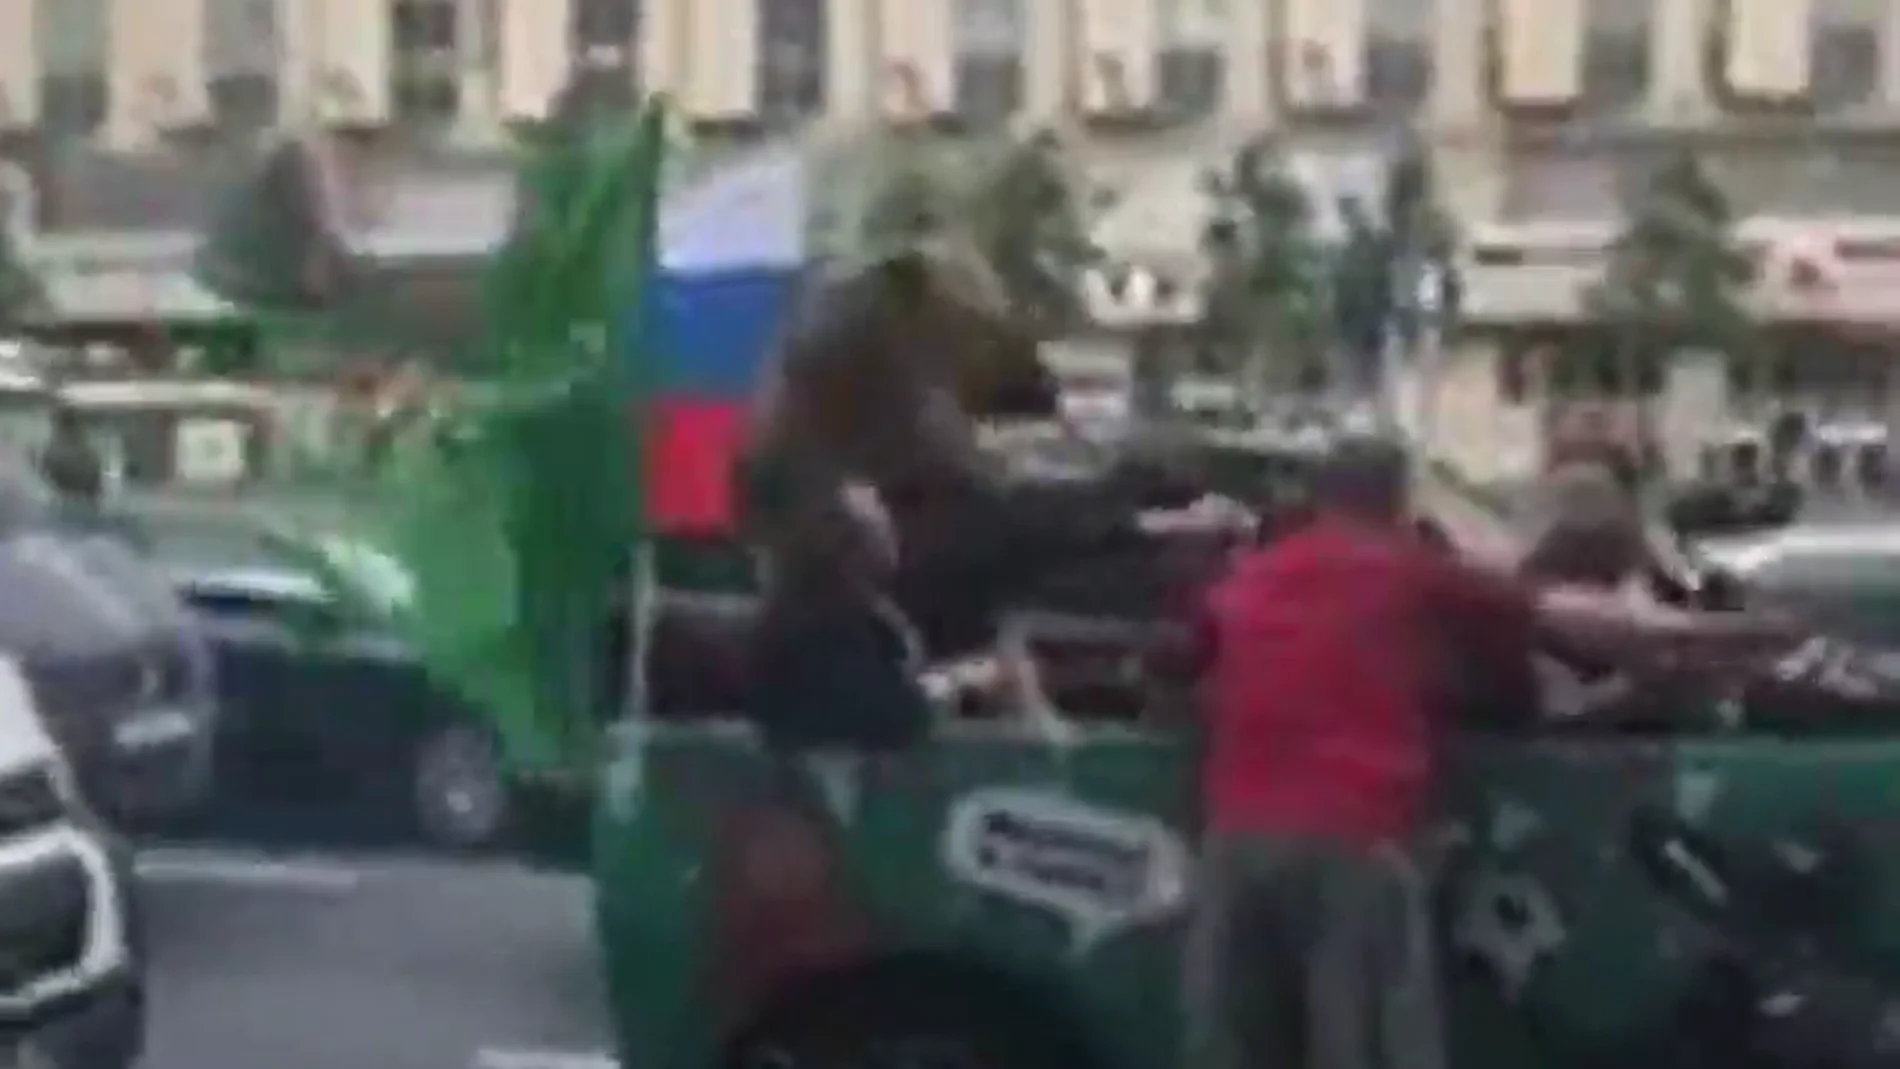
<point>730,252</point>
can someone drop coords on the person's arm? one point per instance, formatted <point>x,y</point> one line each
<point>1488,608</point>
<point>1496,612</point>
<point>1609,624</point>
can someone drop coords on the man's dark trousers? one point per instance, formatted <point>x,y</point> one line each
<point>1309,952</point>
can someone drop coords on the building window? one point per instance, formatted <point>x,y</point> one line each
<point>425,89</point>
<point>243,53</point>
<point>1616,75</point>
<point>1844,54</point>
<point>791,58</point>
<point>1192,61</point>
<point>425,99</point>
<point>606,24</point>
<point>606,47</point>
<point>1398,56</point>
<point>72,47</point>
<point>989,72</point>
<point>422,27</point>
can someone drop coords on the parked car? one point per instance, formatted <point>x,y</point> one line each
<point>323,702</point>
<point>72,986</point>
<point>1844,577</point>
<point>115,665</point>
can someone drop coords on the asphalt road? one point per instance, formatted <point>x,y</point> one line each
<point>371,961</point>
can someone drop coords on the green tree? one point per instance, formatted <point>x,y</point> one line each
<point>1032,217</point>
<point>1266,301</point>
<point>273,244</point>
<point>22,297</point>
<point>1384,259</point>
<point>1676,278</point>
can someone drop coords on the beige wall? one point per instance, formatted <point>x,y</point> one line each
<point>19,66</point>
<point>337,53</point>
<point>155,74</point>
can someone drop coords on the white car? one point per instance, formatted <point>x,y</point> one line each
<point>71,976</point>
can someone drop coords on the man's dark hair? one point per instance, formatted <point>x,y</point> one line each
<point>1364,475</point>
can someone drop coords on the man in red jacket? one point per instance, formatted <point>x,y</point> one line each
<point>1331,651</point>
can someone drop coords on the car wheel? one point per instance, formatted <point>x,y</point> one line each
<point>459,788</point>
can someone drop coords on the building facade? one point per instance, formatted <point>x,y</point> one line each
<point>128,71</point>
<point>1540,113</point>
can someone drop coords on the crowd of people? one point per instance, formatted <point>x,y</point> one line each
<point>1323,654</point>
<point>1325,659</point>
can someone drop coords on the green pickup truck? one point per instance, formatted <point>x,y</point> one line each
<point>1000,897</point>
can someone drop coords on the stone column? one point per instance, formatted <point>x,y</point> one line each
<point>155,72</point>
<point>665,64</point>
<point>297,62</point>
<point>20,66</point>
<point>722,39</point>
<point>851,42</point>
<point>1890,55</point>
<point>1463,121</point>
<point>1049,54</point>
<point>1678,92</point>
<point>478,45</point>
<point>534,58</point>
<point>1324,50</point>
<point>915,68</point>
<point>1118,40</point>
<point>1249,103</point>
<point>347,46</point>
<point>1458,100</point>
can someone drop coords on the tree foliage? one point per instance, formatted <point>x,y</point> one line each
<point>1266,301</point>
<point>1675,278</point>
<point>1383,256</point>
<point>22,296</point>
<point>1017,204</point>
<point>273,243</point>
<point>1033,218</point>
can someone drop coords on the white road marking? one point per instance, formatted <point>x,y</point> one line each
<point>507,1058</point>
<point>233,869</point>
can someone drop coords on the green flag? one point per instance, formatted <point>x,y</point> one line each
<point>518,511</point>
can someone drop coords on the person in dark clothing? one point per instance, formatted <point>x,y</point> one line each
<point>835,665</point>
<point>69,462</point>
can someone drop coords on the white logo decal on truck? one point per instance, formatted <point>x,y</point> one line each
<point>1101,869</point>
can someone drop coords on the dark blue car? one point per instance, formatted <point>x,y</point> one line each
<point>324,707</point>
